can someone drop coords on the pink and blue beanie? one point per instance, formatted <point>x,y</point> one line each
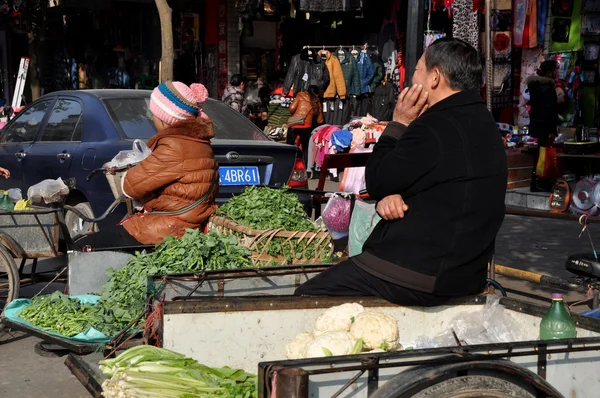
<point>172,102</point>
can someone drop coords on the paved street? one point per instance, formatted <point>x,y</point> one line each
<point>538,245</point>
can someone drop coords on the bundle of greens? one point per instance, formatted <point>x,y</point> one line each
<point>267,209</point>
<point>61,314</point>
<point>146,371</point>
<point>124,295</point>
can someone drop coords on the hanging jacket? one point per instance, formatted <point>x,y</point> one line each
<point>322,5</point>
<point>377,72</point>
<point>302,106</point>
<point>543,117</point>
<point>177,173</point>
<point>350,70</point>
<point>365,71</point>
<point>384,102</point>
<point>234,97</point>
<point>337,84</point>
<point>306,70</point>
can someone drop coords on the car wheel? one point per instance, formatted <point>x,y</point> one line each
<point>76,225</point>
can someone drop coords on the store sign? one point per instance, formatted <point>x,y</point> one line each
<point>222,75</point>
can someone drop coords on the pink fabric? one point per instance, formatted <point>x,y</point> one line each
<point>323,146</point>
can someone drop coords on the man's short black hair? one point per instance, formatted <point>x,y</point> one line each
<point>236,80</point>
<point>458,61</point>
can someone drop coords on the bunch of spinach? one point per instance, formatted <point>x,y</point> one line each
<point>267,208</point>
<point>124,295</point>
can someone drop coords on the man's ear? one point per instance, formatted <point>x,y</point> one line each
<point>436,78</point>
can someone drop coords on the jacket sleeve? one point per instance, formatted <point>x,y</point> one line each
<point>290,77</point>
<point>377,75</point>
<point>295,102</point>
<point>411,152</point>
<point>369,74</point>
<point>320,118</point>
<point>338,79</point>
<point>355,78</point>
<point>161,168</point>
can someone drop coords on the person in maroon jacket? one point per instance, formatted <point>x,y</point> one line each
<point>439,176</point>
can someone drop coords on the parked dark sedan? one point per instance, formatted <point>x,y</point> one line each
<point>69,134</point>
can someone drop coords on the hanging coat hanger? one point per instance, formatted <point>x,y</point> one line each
<point>354,52</point>
<point>341,51</point>
<point>323,54</point>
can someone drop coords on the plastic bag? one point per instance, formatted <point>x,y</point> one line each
<point>337,214</point>
<point>15,194</point>
<point>48,191</point>
<point>363,221</point>
<point>492,324</point>
<point>353,179</point>
<point>139,152</point>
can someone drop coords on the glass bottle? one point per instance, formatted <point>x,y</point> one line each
<point>557,323</point>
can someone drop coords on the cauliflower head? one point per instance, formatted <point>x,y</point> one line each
<point>295,348</point>
<point>377,330</point>
<point>338,318</point>
<point>329,344</point>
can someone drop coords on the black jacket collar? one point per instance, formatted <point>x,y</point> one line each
<point>461,98</point>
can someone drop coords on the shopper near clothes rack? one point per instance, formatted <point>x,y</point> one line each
<point>234,94</point>
<point>307,106</point>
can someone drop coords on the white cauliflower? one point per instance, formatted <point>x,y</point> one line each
<point>295,348</point>
<point>329,344</point>
<point>377,330</point>
<point>337,318</point>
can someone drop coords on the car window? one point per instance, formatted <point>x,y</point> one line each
<point>63,122</point>
<point>25,127</point>
<point>231,125</point>
<point>132,115</point>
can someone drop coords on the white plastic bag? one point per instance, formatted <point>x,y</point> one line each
<point>363,221</point>
<point>15,194</point>
<point>48,191</point>
<point>139,152</point>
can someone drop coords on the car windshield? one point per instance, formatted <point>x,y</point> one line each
<point>133,117</point>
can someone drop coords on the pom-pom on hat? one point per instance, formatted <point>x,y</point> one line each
<point>172,102</point>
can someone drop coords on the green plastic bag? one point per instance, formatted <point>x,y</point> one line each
<point>363,221</point>
<point>14,308</point>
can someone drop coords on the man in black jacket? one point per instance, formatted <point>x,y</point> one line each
<point>439,175</point>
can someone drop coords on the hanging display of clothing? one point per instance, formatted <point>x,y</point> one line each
<point>330,5</point>
<point>384,102</point>
<point>337,112</point>
<point>465,24</point>
<point>306,69</point>
<point>542,15</point>
<point>377,71</point>
<point>337,83</point>
<point>365,72</point>
<point>350,71</point>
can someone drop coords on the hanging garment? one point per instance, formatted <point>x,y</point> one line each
<point>337,83</point>
<point>377,71</point>
<point>350,71</point>
<point>530,30</point>
<point>383,102</point>
<point>322,5</point>
<point>542,14</point>
<point>306,69</point>
<point>364,105</point>
<point>387,34</point>
<point>519,18</point>
<point>365,71</point>
<point>465,24</point>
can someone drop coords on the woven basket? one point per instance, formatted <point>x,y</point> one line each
<point>258,240</point>
<point>114,181</point>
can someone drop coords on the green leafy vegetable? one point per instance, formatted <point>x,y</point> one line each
<point>358,347</point>
<point>327,352</point>
<point>146,371</point>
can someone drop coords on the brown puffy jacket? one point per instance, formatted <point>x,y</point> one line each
<point>180,170</point>
<point>302,106</point>
<point>337,82</point>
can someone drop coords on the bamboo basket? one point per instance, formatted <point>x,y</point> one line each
<point>257,242</point>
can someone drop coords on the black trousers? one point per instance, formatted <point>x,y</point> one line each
<point>347,279</point>
<point>109,238</point>
<point>304,134</point>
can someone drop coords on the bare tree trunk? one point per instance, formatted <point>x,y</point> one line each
<point>166,32</point>
<point>34,75</point>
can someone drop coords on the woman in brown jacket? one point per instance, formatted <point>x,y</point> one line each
<point>307,105</point>
<point>178,182</point>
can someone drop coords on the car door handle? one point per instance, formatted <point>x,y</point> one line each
<point>64,156</point>
<point>20,155</point>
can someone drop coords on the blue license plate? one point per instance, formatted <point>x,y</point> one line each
<point>242,175</point>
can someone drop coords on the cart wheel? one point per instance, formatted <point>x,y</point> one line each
<point>49,350</point>
<point>9,278</point>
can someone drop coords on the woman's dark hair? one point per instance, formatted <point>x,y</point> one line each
<point>458,61</point>
<point>314,93</point>
<point>547,68</point>
<point>236,80</point>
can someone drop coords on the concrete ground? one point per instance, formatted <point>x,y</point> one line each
<point>533,244</point>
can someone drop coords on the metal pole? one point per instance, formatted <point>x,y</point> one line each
<point>414,37</point>
<point>291,383</point>
<point>489,66</point>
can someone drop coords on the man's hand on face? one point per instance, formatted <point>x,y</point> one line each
<point>412,102</point>
<point>391,207</point>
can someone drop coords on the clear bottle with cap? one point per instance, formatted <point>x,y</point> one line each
<point>557,323</point>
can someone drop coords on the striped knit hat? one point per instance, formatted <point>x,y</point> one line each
<point>172,102</point>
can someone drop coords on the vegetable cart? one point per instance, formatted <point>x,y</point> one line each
<point>251,332</point>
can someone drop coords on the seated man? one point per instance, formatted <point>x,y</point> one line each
<point>439,176</point>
